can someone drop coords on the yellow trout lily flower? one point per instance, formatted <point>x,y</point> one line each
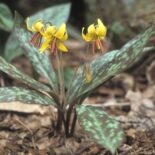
<point>37,28</point>
<point>54,39</point>
<point>95,34</point>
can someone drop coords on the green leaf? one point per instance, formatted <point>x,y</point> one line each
<point>68,76</point>
<point>11,94</point>
<point>109,64</point>
<point>100,126</point>
<point>6,20</point>
<point>55,14</point>
<point>12,48</point>
<point>40,61</point>
<point>16,74</point>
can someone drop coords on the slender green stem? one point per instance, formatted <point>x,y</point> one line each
<point>73,124</point>
<point>68,116</point>
<point>60,77</point>
<point>61,118</point>
<point>59,122</point>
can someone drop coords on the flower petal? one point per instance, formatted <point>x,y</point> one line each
<point>38,25</point>
<point>50,30</point>
<point>65,37</point>
<point>45,45</point>
<point>61,47</point>
<point>61,32</point>
<point>86,37</point>
<point>27,25</point>
<point>91,29</point>
<point>101,29</point>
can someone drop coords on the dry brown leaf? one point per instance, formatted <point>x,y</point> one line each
<point>139,104</point>
<point>27,108</point>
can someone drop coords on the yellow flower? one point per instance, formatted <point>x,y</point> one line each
<point>38,28</point>
<point>95,35</point>
<point>54,39</point>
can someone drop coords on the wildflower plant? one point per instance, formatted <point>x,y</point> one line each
<point>40,36</point>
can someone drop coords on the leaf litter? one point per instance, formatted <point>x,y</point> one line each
<point>129,97</point>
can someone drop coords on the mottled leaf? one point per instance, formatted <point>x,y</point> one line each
<point>68,76</point>
<point>109,65</point>
<point>54,14</point>
<point>40,61</point>
<point>16,74</point>
<point>6,20</point>
<point>100,126</point>
<point>11,94</point>
<point>12,48</point>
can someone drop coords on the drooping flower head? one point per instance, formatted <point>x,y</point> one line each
<point>54,39</point>
<point>95,34</point>
<point>37,28</point>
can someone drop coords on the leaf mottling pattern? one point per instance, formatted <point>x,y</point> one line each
<point>10,94</point>
<point>100,126</point>
<point>110,64</point>
<point>40,62</point>
<point>55,14</point>
<point>16,74</point>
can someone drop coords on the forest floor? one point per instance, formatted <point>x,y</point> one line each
<point>129,97</point>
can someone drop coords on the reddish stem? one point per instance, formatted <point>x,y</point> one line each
<point>93,47</point>
<point>101,45</point>
<point>53,47</point>
<point>34,38</point>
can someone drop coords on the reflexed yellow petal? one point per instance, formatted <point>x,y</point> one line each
<point>86,37</point>
<point>65,37</point>
<point>61,47</point>
<point>61,32</point>
<point>27,25</point>
<point>91,29</point>
<point>50,30</point>
<point>38,26</point>
<point>45,45</point>
<point>100,24</point>
<point>98,45</point>
<point>101,29</point>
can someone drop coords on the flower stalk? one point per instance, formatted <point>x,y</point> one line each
<point>50,37</point>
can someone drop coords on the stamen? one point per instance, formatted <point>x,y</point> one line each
<point>101,45</point>
<point>36,41</point>
<point>93,47</point>
<point>34,37</point>
<point>39,39</point>
<point>53,47</point>
<point>98,45</point>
